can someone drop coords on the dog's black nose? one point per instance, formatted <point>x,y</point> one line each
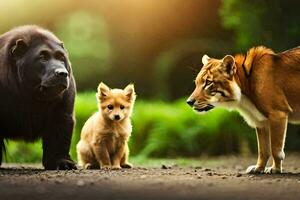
<point>61,72</point>
<point>191,102</point>
<point>117,117</point>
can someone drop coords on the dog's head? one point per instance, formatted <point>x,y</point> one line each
<point>42,64</point>
<point>116,104</point>
<point>215,84</point>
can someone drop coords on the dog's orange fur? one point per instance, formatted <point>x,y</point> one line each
<point>104,137</point>
<point>264,86</point>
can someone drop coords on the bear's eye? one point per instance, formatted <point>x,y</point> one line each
<point>61,57</point>
<point>122,107</point>
<point>110,107</point>
<point>44,56</point>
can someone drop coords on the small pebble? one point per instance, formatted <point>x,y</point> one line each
<point>209,173</point>
<point>238,175</point>
<point>164,167</point>
<point>80,183</point>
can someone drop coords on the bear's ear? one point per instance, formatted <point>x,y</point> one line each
<point>62,45</point>
<point>102,91</point>
<point>129,91</point>
<point>19,48</point>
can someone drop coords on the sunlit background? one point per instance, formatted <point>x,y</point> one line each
<point>158,45</point>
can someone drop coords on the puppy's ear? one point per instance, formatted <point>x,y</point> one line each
<point>129,91</point>
<point>19,48</point>
<point>102,91</point>
<point>205,59</point>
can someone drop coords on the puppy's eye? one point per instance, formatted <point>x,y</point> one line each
<point>122,107</point>
<point>110,107</point>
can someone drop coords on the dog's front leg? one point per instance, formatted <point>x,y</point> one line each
<point>263,144</point>
<point>277,126</point>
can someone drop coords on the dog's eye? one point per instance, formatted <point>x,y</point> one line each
<point>110,107</point>
<point>122,107</point>
<point>208,82</point>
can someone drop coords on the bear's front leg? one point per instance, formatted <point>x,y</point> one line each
<point>56,143</point>
<point>1,149</point>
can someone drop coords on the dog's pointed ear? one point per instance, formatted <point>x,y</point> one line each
<point>205,59</point>
<point>228,64</point>
<point>102,91</point>
<point>18,48</point>
<point>129,91</point>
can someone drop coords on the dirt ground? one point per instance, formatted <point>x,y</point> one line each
<point>223,178</point>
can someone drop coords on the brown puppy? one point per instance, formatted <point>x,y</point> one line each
<point>104,136</point>
<point>264,86</point>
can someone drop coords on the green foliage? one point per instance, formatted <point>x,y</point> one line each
<point>161,130</point>
<point>19,151</point>
<point>85,36</point>
<point>171,130</point>
<point>262,22</point>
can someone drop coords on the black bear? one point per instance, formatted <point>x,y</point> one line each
<point>37,92</point>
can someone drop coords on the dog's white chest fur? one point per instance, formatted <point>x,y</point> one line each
<point>250,113</point>
<point>248,110</point>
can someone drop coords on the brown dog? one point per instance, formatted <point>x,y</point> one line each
<point>264,87</point>
<point>104,136</point>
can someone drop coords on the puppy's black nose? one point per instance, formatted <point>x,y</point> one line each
<point>117,117</point>
<point>191,102</point>
<point>61,72</point>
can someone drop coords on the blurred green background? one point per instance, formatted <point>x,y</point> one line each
<point>158,45</point>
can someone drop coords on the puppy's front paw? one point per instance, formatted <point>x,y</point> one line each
<point>273,170</point>
<point>127,165</point>
<point>105,167</point>
<point>254,169</point>
<point>116,167</point>
<point>88,166</point>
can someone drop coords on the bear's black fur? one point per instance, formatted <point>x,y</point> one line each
<point>37,92</point>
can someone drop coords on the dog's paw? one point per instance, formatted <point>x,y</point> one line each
<point>106,167</point>
<point>254,169</point>
<point>127,165</point>
<point>116,167</point>
<point>272,170</point>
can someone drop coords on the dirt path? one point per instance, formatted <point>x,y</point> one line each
<point>221,179</point>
